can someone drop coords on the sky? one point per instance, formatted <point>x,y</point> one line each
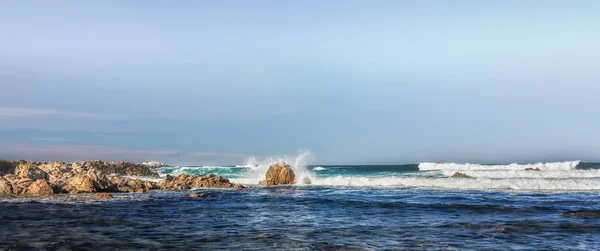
<point>355,82</point>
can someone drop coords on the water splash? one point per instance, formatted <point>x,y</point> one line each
<point>257,168</point>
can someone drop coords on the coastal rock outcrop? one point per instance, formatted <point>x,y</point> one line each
<point>279,174</point>
<point>47,178</point>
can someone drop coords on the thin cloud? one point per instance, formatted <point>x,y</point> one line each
<point>37,112</point>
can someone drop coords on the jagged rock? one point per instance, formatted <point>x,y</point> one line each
<point>40,187</point>
<point>460,175</point>
<point>279,174</point>
<point>5,187</point>
<point>306,181</point>
<point>122,167</point>
<point>28,170</point>
<point>19,186</point>
<point>102,196</point>
<point>80,184</point>
<point>184,182</point>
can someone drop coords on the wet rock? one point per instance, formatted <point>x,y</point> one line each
<point>71,198</point>
<point>460,175</point>
<point>103,196</point>
<point>197,195</point>
<point>238,187</point>
<point>533,169</point>
<point>279,174</point>
<point>306,181</point>
<point>583,214</point>
<point>40,187</point>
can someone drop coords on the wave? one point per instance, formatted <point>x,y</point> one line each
<point>319,168</point>
<point>503,174</point>
<point>568,165</point>
<point>463,184</point>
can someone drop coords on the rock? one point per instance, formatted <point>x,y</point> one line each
<point>532,169</point>
<point>80,184</point>
<point>19,186</point>
<point>71,198</point>
<point>5,187</point>
<point>197,195</point>
<point>279,174</point>
<point>238,187</point>
<point>28,170</point>
<point>460,175</point>
<point>583,214</point>
<point>184,182</point>
<point>103,196</point>
<point>40,187</point>
<point>306,181</point>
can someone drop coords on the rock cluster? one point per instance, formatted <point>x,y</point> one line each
<point>47,178</point>
<point>184,182</point>
<point>279,174</point>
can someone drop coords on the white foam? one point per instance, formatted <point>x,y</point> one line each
<point>257,168</point>
<point>568,165</point>
<point>462,183</point>
<point>504,174</point>
<point>319,168</point>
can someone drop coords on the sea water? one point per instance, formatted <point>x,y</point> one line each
<point>368,207</point>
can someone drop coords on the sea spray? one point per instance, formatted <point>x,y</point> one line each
<point>257,168</point>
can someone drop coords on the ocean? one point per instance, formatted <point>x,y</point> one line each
<point>367,207</point>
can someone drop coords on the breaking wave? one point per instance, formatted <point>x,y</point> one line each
<point>568,165</point>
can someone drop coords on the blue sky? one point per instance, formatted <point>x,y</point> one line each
<point>385,82</point>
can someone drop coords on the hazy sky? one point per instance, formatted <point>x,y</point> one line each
<point>199,82</point>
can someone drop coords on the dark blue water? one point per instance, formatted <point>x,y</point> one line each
<point>305,218</point>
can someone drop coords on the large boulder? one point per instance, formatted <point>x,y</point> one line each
<point>40,187</point>
<point>279,174</point>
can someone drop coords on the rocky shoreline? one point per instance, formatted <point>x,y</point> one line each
<point>23,178</point>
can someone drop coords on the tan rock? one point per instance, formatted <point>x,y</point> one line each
<point>28,170</point>
<point>197,195</point>
<point>5,187</point>
<point>20,186</point>
<point>102,196</point>
<point>40,187</point>
<point>80,184</point>
<point>279,174</point>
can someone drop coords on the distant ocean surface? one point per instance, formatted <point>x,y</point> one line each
<point>345,208</point>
